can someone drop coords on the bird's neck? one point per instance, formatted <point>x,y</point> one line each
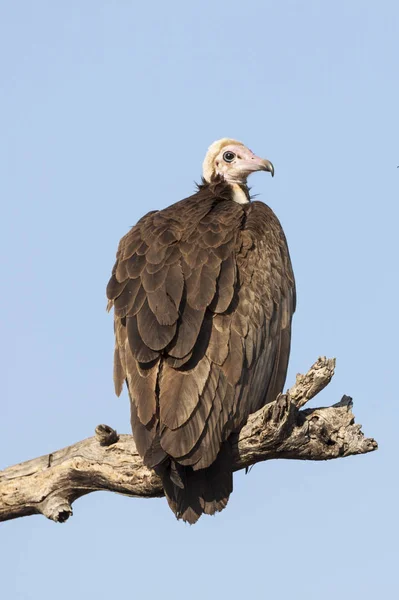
<point>227,190</point>
<point>240,193</point>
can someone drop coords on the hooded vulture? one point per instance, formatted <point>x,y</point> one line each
<point>203,295</point>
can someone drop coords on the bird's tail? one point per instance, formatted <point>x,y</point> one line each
<point>193,493</point>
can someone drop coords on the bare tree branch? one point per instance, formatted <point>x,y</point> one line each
<point>50,484</point>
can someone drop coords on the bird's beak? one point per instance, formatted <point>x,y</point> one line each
<point>263,165</point>
<point>254,163</point>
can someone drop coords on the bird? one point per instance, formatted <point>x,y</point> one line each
<point>203,294</point>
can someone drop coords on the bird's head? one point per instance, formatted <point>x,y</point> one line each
<point>233,161</point>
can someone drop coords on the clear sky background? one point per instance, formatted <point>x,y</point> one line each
<point>107,109</point>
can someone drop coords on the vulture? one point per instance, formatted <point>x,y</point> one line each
<point>203,295</point>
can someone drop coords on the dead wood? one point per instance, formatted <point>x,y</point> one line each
<point>50,484</point>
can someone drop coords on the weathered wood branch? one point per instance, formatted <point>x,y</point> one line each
<point>50,484</point>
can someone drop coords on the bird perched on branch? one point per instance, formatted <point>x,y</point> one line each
<point>203,295</point>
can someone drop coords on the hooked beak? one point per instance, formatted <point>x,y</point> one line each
<point>267,166</point>
<point>262,164</point>
<point>255,163</point>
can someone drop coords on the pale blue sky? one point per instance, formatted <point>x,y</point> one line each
<point>107,109</point>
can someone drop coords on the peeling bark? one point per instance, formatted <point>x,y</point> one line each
<point>50,484</point>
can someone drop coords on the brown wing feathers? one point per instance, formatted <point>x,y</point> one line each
<point>203,307</point>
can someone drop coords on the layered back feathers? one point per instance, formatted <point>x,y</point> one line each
<point>203,294</point>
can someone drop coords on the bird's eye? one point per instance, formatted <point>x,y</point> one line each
<point>229,156</point>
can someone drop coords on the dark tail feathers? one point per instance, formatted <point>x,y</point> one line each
<point>193,493</point>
